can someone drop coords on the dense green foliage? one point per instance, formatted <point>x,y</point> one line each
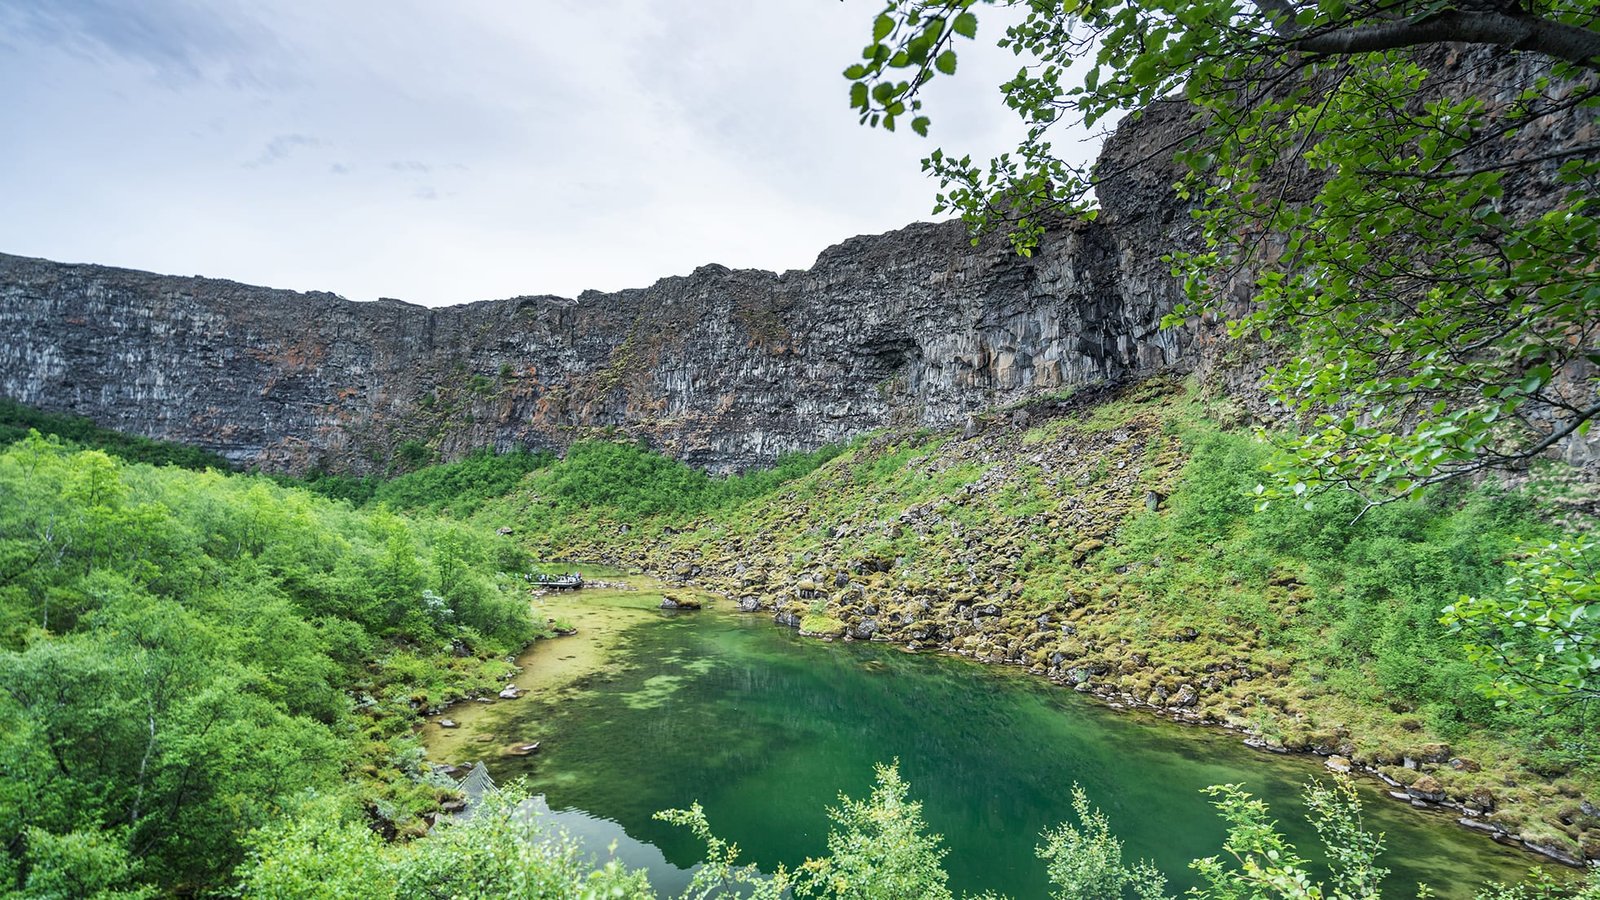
<point>1538,636</point>
<point>626,479</point>
<point>500,852</point>
<point>456,488</point>
<point>1414,226</point>
<point>1085,859</point>
<point>879,848</point>
<point>1368,590</point>
<point>459,487</point>
<point>357,489</point>
<point>628,482</point>
<point>182,653</point>
<point>16,420</point>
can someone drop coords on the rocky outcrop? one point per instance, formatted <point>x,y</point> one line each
<point>722,368</point>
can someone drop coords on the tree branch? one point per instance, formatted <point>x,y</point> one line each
<point>1516,32</point>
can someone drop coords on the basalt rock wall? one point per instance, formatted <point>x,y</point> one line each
<point>723,368</point>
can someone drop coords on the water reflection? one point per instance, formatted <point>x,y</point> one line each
<point>604,839</point>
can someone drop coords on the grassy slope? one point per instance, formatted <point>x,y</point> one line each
<point>1031,544</point>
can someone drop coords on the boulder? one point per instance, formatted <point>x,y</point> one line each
<point>1427,788</point>
<point>1338,764</point>
<point>1432,753</point>
<point>671,601</point>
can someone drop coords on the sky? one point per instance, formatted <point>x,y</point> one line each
<point>449,152</point>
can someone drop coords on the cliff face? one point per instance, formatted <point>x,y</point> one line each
<point>723,368</point>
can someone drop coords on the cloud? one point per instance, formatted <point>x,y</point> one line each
<point>180,42</point>
<point>417,167</point>
<point>454,152</point>
<point>280,147</point>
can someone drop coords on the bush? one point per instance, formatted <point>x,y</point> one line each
<point>16,420</point>
<point>463,485</point>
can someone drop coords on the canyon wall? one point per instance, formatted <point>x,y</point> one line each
<point>723,368</point>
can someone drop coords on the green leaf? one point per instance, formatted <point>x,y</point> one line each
<point>881,27</point>
<point>920,125</point>
<point>966,25</point>
<point>946,62</point>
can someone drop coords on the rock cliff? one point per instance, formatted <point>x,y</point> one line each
<point>723,368</point>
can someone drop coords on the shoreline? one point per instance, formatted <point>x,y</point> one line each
<point>1437,804</point>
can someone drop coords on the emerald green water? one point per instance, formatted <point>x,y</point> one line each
<point>765,729</point>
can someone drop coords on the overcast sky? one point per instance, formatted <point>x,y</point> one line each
<point>448,152</point>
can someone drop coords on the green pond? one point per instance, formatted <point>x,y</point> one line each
<point>646,710</point>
